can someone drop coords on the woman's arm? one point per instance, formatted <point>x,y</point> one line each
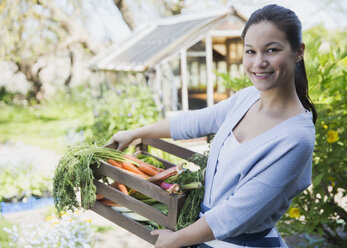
<point>160,129</point>
<point>196,233</point>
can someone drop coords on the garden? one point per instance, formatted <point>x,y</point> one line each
<point>317,217</point>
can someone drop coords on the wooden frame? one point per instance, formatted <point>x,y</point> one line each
<point>174,202</point>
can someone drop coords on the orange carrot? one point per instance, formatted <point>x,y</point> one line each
<point>148,170</point>
<point>130,167</point>
<point>137,175</point>
<point>109,202</point>
<point>142,163</point>
<point>115,163</point>
<point>99,197</point>
<point>120,165</point>
<point>123,188</point>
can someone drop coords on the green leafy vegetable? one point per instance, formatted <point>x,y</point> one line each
<point>74,174</point>
<point>191,208</point>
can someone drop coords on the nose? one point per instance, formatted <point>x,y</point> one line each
<point>261,61</point>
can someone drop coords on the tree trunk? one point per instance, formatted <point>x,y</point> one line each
<point>33,77</point>
<point>69,78</point>
<point>124,9</point>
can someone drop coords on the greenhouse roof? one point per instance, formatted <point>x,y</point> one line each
<point>151,43</point>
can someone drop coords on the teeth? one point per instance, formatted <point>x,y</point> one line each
<point>262,74</point>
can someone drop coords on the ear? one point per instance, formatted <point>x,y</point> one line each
<point>300,52</point>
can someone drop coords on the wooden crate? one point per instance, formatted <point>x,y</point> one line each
<point>174,202</point>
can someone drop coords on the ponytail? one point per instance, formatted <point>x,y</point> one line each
<point>301,86</point>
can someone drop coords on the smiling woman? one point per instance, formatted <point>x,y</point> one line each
<point>261,155</point>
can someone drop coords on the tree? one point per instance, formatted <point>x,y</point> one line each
<point>32,30</point>
<point>129,9</point>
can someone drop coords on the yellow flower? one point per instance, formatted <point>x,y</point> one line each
<point>333,136</point>
<point>332,181</point>
<point>49,218</point>
<point>88,220</point>
<point>294,213</point>
<point>325,126</point>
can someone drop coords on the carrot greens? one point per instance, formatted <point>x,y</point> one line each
<point>74,174</point>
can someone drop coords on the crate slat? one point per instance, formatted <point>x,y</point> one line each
<point>136,183</point>
<point>174,202</point>
<point>169,148</point>
<point>124,222</point>
<point>133,204</point>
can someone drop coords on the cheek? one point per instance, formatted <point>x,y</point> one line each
<point>245,63</point>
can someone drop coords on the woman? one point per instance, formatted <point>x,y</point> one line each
<point>261,156</point>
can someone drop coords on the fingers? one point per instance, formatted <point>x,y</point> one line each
<point>155,233</point>
<point>120,140</point>
<point>113,145</point>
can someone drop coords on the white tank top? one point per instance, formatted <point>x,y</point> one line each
<point>229,145</point>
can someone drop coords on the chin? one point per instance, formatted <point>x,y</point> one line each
<point>263,86</point>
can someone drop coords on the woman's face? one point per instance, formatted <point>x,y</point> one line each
<point>268,58</point>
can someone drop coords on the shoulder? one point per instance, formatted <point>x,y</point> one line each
<point>300,128</point>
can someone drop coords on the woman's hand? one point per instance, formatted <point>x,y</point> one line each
<point>166,239</point>
<point>122,139</point>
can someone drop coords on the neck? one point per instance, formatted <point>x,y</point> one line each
<point>280,101</point>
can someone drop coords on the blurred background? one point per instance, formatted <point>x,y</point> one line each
<point>78,71</point>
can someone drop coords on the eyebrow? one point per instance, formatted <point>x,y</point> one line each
<point>268,44</point>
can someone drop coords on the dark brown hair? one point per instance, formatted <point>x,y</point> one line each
<point>287,21</point>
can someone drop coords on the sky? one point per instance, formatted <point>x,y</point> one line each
<point>106,21</point>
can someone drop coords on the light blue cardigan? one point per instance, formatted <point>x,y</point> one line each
<point>253,189</point>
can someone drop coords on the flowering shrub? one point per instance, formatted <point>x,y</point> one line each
<point>19,178</point>
<point>71,230</point>
<point>321,209</point>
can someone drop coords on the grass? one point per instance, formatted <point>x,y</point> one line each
<point>4,236</point>
<point>46,125</point>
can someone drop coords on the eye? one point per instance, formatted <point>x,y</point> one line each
<point>250,52</point>
<point>272,50</point>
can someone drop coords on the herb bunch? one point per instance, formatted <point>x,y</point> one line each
<point>74,174</point>
<point>191,208</point>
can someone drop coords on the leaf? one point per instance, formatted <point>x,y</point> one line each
<point>318,179</point>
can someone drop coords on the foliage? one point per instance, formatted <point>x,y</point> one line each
<point>19,178</point>
<point>74,175</point>
<point>319,209</point>
<point>71,230</point>
<point>35,30</point>
<point>5,96</point>
<point>22,182</point>
<point>4,236</point>
<point>128,106</point>
<point>233,83</point>
<point>51,124</point>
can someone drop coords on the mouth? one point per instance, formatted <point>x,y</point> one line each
<point>262,75</point>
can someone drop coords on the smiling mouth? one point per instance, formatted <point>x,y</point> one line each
<point>262,74</point>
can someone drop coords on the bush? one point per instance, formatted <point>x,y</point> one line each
<point>125,107</point>
<point>319,210</point>
<point>71,230</point>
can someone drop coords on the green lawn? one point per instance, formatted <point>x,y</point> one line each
<point>45,126</point>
